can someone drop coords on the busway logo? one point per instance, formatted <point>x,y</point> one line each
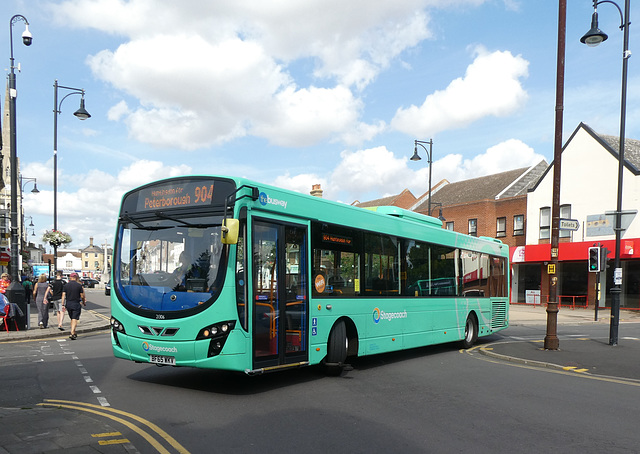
<point>147,347</point>
<point>382,315</point>
<point>266,200</point>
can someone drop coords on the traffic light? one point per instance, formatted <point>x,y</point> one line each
<point>595,265</point>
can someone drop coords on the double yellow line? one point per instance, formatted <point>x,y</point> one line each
<point>110,413</point>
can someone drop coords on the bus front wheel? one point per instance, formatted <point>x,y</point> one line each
<point>470,331</point>
<point>337,347</point>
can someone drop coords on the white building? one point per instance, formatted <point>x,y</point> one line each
<point>588,190</point>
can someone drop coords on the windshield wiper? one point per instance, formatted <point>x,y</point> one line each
<point>127,218</point>
<point>161,215</point>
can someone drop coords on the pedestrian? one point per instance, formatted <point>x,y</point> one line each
<point>40,293</point>
<point>28,289</point>
<point>56,298</point>
<point>4,282</point>
<point>73,298</point>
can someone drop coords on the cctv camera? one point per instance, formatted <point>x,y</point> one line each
<point>27,37</point>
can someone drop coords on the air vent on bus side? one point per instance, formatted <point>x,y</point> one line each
<point>498,314</point>
<point>157,331</point>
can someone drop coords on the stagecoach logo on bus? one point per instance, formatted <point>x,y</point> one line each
<point>266,200</point>
<point>146,346</point>
<point>382,315</point>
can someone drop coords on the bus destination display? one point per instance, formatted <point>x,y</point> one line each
<point>176,195</point>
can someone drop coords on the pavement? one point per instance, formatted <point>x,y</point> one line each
<point>54,428</point>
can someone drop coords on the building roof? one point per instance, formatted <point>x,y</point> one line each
<point>496,186</point>
<point>612,145</point>
<point>403,200</point>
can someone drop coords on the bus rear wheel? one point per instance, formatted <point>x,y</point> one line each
<point>470,331</point>
<point>337,347</point>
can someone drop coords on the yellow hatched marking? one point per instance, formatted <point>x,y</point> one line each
<point>568,367</point>
<point>539,341</point>
<point>581,370</point>
<point>113,442</point>
<point>486,349</point>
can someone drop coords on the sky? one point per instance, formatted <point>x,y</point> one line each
<point>295,93</point>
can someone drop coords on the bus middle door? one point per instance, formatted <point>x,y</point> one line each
<point>280,299</point>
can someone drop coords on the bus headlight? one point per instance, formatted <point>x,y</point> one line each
<point>217,335</point>
<point>218,329</point>
<point>116,326</point>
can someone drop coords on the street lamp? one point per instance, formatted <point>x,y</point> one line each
<point>15,291</point>
<point>592,38</point>
<point>24,181</point>
<point>416,157</point>
<point>82,114</point>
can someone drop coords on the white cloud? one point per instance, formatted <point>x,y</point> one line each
<point>374,169</point>
<point>491,87</point>
<point>301,183</point>
<point>508,155</point>
<point>232,73</point>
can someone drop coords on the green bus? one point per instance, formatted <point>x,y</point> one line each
<point>226,273</point>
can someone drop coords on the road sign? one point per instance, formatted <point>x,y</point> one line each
<point>569,224</point>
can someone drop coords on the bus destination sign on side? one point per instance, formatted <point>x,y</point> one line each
<point>176,195</point>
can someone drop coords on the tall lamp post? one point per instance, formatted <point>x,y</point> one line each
<point>592,38</point>
<point>82,114</point>
<point>15,291</point>
<point>416,157</point>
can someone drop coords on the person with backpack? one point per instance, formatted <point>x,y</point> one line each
<point>28,289</point>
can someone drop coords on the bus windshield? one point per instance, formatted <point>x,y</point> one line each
<point>169,264</point>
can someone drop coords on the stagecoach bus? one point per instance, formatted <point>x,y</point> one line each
<point>225,273</point>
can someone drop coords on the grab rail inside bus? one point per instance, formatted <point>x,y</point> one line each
<point>231,227</point>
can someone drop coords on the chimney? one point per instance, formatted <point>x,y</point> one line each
<point>316,190</point>
<point>91,241</point>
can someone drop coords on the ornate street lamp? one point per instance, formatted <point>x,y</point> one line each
<point>15,291</point>
<point>592,38</point>
<point>82,114</point>
<point>416,157</point>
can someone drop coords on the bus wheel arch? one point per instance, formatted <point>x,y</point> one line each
<point>341,343</point>
<point>470,330</point>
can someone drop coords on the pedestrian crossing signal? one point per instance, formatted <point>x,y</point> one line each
<point>594,260</point>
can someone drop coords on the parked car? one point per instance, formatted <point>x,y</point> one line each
<point>89,282</point>
<point>107,288</point>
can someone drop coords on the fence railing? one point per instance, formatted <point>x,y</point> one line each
<point>571,301</point>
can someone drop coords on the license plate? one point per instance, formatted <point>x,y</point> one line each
<point>159,359</point>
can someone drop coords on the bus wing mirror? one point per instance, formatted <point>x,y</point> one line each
<point>230,229</point>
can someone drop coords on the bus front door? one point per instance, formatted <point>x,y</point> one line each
<point>280,294</point>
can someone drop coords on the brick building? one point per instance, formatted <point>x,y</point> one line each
<point>493,205</point>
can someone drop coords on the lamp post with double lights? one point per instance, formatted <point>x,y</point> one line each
<point>82,114</point>
<point>15,291</point>
<point>416,157</point>
<point>592,38</point>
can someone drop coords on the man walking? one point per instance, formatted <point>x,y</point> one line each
<point>73,298</point>
<point>56,298</point>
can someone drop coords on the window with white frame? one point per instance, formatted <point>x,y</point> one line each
<point>473,227</point>
<point>545,223</point>
<point>565,213</point>
<point>501,227</point>
<point>518,225</point>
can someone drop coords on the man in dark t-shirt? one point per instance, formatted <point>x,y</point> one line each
<point>73,299</point>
